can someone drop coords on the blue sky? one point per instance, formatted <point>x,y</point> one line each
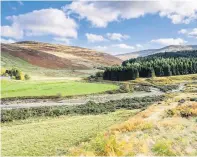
<point>113,27</point>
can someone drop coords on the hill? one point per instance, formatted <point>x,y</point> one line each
<point>171,48</point>
<point>54,56</point>
<point>49,61</point>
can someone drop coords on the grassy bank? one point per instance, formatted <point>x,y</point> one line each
<point>53,136</point>
<point>12,88</point>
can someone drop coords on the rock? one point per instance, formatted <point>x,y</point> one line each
<point>181,101</point>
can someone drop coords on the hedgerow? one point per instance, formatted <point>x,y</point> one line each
<point>88,108</point>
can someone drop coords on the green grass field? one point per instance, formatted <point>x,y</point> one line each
<point>15,88</point>
<point>53,136</point>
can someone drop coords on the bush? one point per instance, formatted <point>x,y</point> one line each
<point>137,124</point>
<point>3,70</point>
<point>163,148</point>
<point>13,77</point>
<point>88,108</point>
<point>108,146</point>
<point>126,88</point>
<point>21,76</point>
<point>184,111</point>
<point>142,88</point>
<point>27,77</point>
<point>193,99</point>
<point>99,74</point>
<point>16,74</point>
<point>97,77</point>
<point>166,88</point>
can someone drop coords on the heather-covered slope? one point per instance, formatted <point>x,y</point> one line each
<point>54,56</point>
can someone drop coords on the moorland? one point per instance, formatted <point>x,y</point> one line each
<point>76,101</point>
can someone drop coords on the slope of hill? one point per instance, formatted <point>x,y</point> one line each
<point>171,48</point>
<point>55,56</point>
<point>58,56</point>
<point>79,58</point>
<point>51,60</point>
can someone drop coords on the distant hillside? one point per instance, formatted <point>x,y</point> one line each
<point>53,56</point>
<point>171,48</point>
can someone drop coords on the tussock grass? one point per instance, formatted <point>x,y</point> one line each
<point>133,125</point>
<point>186,110</point>
<point>54,136</point>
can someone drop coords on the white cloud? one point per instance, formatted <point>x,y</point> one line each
<point>7,41</point>
<point>94,38</point>
<point>139,46</point>
<point>169,41</point>
<point>189,33</point>
<point>124,46</point>
<point>193,33</point>
<point>102,13</point>
<point>117,36</point>
<point>182,31</point>
<point>39,23</point>
<point>98,16</point>
<point>13,31</point>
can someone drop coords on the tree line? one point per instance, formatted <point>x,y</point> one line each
<point>163,64</point>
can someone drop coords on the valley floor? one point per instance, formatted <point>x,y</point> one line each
<point>165,128</point>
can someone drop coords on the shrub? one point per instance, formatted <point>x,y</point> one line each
<point>88,108</point>
<point>163,148</point>
<point>13,77</point>
<point>3,70</point>
<point>170,113</point>
<point>108,145</point>
<point>193,99</point>
<point>184,111</point>
<point>97,77</point>
<point>126,88</point>
<point>27,77</point>
<point>99,74</point>
<point>137,124</point>
<point>142,88</point>
<point>166,88</point>
<point>16,74</point>
<point>20,76</point>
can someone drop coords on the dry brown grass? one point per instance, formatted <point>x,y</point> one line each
<point>132,125</point>
<point>188,109</point>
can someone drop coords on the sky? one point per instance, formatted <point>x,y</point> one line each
<point>109,26</point>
